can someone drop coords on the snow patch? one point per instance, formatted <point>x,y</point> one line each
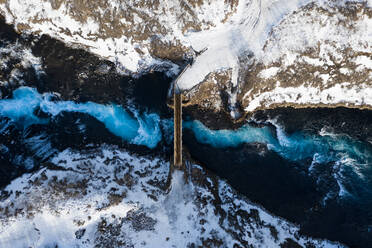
<point>246,31</point>
<point>269,72</point>
<point>343,93</point>
<point>72,207</point>
<point>345,71</point>
<point>363,61</point>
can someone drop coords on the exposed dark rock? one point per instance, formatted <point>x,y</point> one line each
<point>80,233</point>
<point>13,152</point>
<point>211,119</point>
<point>77,74</point>
<point>353,122</point>
<point>7,31</point>
<point>13,73</point>
<point>108,236</point>
<point>255,172</point>
<point>252,169</point>
<point>140,221</point>
<point>290,243</point>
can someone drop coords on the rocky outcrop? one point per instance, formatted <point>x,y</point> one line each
<point>292,53</point>
<point>324,121</point>
<point>126,32</point>
<point>106,197</point>
<point>317,56</point>
<point>210,103</point>
<point>74,74</point>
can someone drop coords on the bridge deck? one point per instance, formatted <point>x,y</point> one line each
<point>177,130</point>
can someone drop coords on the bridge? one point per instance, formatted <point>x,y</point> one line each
<point>177,104</point>
<point>177,98</point>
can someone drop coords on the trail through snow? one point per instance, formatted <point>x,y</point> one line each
<point>246,31</point>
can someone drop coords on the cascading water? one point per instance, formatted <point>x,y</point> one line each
<point>348,160</point>
<point>352,159</point>
<point>295,147</point>
<point>137,129</point>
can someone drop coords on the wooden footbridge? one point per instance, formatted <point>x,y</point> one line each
<point>177,106</point>
<point>177,157</point>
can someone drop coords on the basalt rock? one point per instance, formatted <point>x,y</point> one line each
<point>353,122</point>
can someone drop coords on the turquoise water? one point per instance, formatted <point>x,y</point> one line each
<point>297,146</point>
<point>132,127</point>
<point>340,166</point>
<point>352,159</point>
<point>145,129</point>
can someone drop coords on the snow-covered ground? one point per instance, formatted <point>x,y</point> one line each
<point>127,41</point>
<point>321,56</point>
<point>246,31</point>
<point>14,59</point>
<point>275,49</point>
<point>338,95</point>
<point>106,197</point>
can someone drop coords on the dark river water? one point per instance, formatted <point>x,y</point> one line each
<point>322,181</point>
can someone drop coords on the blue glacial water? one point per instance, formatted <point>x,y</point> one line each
<point>348,161</point>
<point>132,127</point>
<point>352,159</point>
<point>297,146</point>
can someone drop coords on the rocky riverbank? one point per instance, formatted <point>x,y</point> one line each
<point>304,191</point>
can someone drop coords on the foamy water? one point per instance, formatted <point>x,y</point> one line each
<point>352,158</point>
<point>135,128</point>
